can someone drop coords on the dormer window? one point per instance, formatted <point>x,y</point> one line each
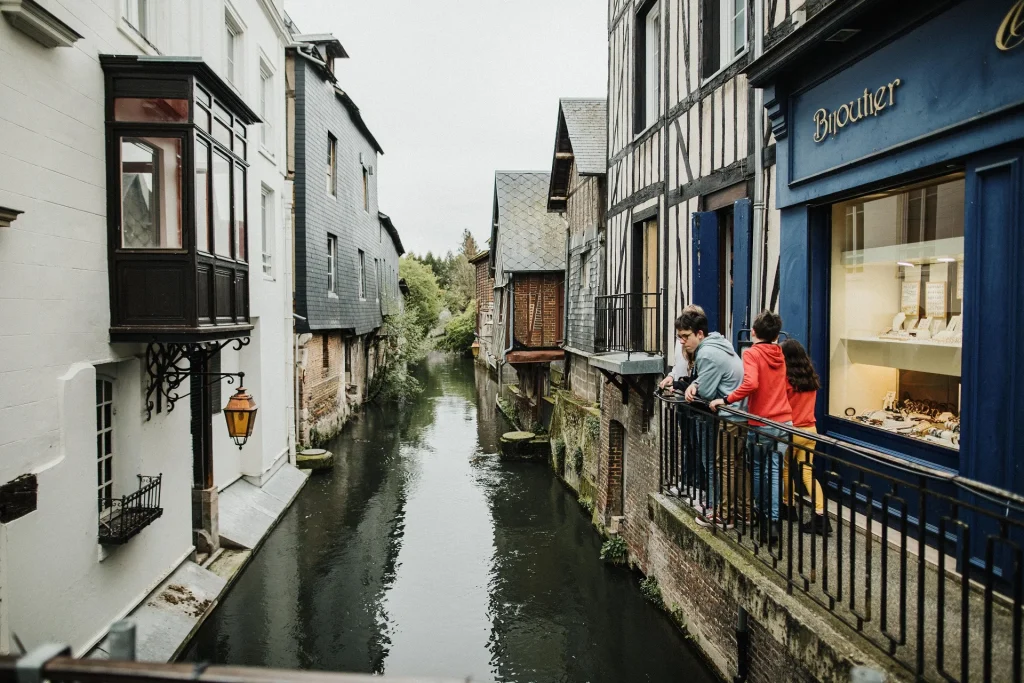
<point>177,143</point>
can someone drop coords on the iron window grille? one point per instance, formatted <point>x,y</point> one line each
<point>123,518</point>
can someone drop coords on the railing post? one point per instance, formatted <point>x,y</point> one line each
<point>122,641</point>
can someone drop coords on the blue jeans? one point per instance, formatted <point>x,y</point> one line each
<point>705,427</point>
<point>763,448</point>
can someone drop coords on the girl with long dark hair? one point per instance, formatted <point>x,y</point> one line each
<point>802,391</point>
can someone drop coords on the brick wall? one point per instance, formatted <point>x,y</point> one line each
<point>640,463</point>
<point>538,309</point>
<point>329,394</point>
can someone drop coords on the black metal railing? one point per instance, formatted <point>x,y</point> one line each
<point>122,518</point>
<point>928,566</point>
<point>628,322</point>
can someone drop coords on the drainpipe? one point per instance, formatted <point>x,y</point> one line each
<point>759,238</point>
<point>296,421</point>
<point>742,646</point>
<point>506,327</point>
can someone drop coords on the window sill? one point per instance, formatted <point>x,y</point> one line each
<point>269,278</point>
<point>267,154</point>
<point>726,66</point>
<point>332,295</point>
<point>137,38</point>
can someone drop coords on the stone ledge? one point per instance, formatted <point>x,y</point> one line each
<point>819,643</point>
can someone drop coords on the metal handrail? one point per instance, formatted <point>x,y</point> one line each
<point>913,548</point>
<point>629,322</point>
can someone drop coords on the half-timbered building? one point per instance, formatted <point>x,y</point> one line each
<point>484,330</point>
<point>527,262</point>
<point>691,214</point>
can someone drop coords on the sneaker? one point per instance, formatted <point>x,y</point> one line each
<point>819,524</point>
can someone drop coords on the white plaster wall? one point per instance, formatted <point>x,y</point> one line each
<point>54,319</point>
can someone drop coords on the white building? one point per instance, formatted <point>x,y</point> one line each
<point>82,264</point>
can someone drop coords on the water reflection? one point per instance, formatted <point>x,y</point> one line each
<point>423,554</point>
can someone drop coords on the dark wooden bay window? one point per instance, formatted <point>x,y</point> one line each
<point>177,144</point>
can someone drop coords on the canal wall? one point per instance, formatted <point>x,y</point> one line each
<point>704,579</point>
<point>575,437</point>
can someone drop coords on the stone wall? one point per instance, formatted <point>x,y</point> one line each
<point>333,380</point>
<point>575,437</point>
<point>584,381</point>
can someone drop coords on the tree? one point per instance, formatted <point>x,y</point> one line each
<point>461,283</point>
<point>469,247</point>
<point>424,299</point>
<point>460,331</point>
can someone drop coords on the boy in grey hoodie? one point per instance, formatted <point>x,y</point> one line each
<point>719,372</point>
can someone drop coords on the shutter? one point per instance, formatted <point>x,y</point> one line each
<point>742,230</point>
<point>706,266</point>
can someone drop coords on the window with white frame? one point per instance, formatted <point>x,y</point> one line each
<point>362,274</point>
<point>332,258</point>
<point>366,191</point>
<point>725,33</point>
<point>376,277</point>
<point>267,229</point>
<point>105,442</point>
<point>647,65</point>
<point>652,38</point>
<point>266,106</point>
<point>332,165</point>
<point>137,13</point>
<point>232,49</point>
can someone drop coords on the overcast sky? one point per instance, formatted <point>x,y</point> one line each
<point>456,89</point>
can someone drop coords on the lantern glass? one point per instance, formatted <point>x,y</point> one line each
<point>240,415</point>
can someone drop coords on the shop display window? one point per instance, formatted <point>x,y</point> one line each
<point>896,310</point>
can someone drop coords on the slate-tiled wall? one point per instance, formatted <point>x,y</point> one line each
<point>319,112</point>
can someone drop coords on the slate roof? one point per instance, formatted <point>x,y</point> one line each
<point>587,122</point>
<point>528,238</point>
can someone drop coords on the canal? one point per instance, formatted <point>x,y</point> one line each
<point>423,554</point>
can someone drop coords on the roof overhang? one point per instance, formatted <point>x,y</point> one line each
<point>385,220</point>
<point>7,216</point>
<point>482,256</point>
<point>357,118</point>
<point>561,167</point>
<point>325,42</point>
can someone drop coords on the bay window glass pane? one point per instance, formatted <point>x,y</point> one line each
<point>155,109</point>
<point>896,311</point>
<point>239,196</point>
<point>150,193</point>
<point>221,205</point>
<point>202,195</point>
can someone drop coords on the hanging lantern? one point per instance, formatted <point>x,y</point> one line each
<point>240,413</point>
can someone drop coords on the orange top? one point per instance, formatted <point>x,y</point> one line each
<point>802,404</point>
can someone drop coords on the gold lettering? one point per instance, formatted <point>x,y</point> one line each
<point>891,87</point>
<point>820,125</point>
<point>879,100</point>
<point>843,109</point>
<point>828,123</point>
<point>1011,31</point>
<point>860,113</point>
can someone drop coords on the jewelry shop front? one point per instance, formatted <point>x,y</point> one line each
<point>899,137</point>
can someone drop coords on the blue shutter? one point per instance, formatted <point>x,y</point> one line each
<point>706,265</point>
<point>742,229</point>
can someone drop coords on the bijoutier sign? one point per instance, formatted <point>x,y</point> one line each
<point>1011,31</point>
<point>871,103</point>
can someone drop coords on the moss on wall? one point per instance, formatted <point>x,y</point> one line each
<point>576,425</point>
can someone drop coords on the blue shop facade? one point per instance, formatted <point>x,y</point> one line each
<point>899,132</point>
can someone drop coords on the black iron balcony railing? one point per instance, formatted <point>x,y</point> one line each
<point>926,565</point>
<point>628,322</point>
<point>122,518</point>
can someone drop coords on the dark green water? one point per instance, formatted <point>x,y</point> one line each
<point>423,554</point>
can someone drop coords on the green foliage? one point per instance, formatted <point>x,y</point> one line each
<point>652,591</point>
<point>460,331</point>
<point>423,302</point>
<point>577,459</point>
<point>615,550</point>
<point>460,283</point>
<point>593,429</point>
<point>402,343</point>
<point>587,503</point>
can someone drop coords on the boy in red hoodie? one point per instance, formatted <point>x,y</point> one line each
<point>765,388</point>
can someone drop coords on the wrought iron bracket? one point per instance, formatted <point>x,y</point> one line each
<point>168,365</point>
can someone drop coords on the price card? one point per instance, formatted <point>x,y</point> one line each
<point>960,280</point>
<point>935,299</point>
<point>911,304</point>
